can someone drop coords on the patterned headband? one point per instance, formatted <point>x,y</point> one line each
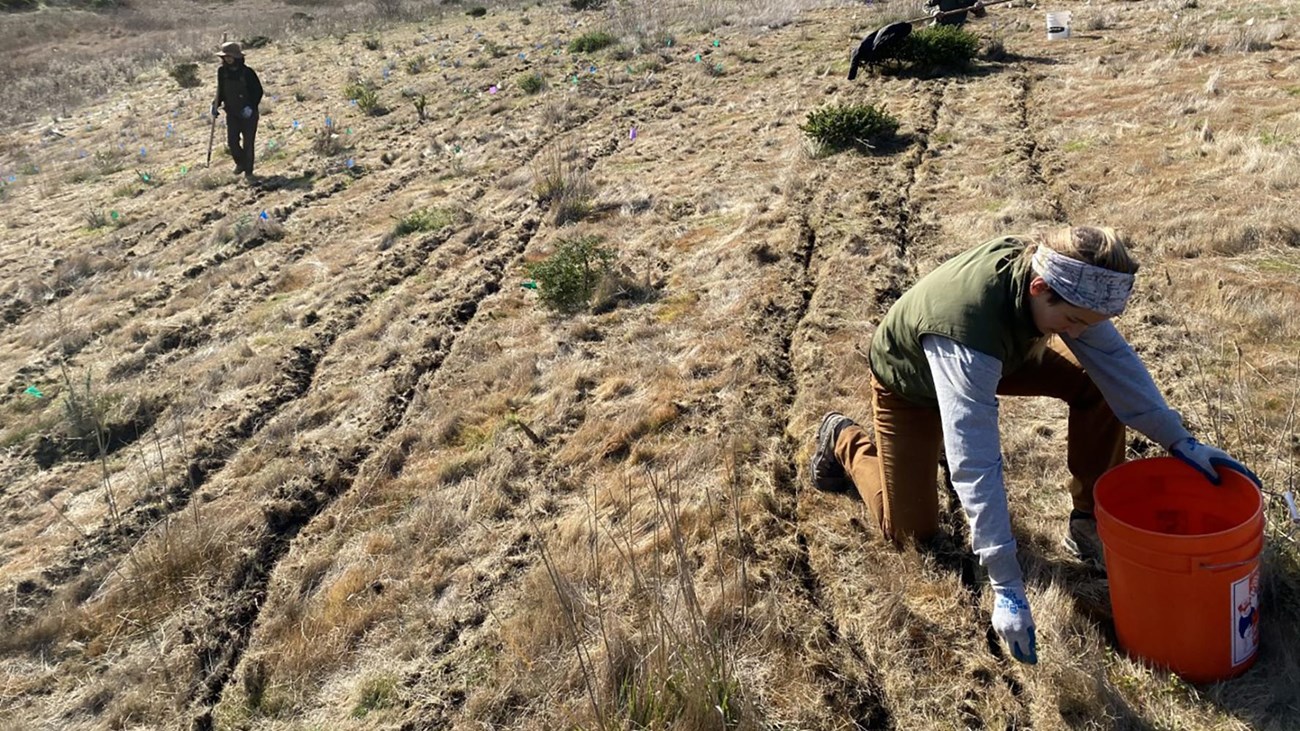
<point>1084,285</point>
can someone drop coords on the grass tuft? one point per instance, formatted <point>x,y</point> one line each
<point>425,219</point>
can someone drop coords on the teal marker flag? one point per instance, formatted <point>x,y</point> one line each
<point>34,391</point>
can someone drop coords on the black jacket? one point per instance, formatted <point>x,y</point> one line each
<point>238,87</point>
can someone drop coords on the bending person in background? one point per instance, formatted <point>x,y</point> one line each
<point>975,7</point>
<point>240,92</point>
<point>1013,317</point>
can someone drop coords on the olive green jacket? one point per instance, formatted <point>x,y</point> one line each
<point>978,298</point>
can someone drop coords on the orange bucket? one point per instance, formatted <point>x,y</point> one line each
<point>1182,556</point>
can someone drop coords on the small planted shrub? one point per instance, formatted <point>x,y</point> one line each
<point>96,219</point>
<point>415,65</point>
<point>478,11</point>
<point>371,44</point>
<point>844,126</point>
<point>532,83</point>
<point>186,75</point>
<point>425,219</point>
<point>940,46</point>
<point>567,279</point>
<point>586,4</point>
<point>592,42</point>
<point>366,96</point>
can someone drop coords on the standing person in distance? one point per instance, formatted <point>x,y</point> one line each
<point>240,92</point>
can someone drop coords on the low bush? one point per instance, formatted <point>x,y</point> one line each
<point>366,96</point>
<point>478,11</point>
<point>842,126</point>
<point>425,219</point>
<point>940,46</point>
<point>186,75</point>
<point>532,83</point>
<point>592,42</point>
<point>586,4</point>
<point>567,279</point>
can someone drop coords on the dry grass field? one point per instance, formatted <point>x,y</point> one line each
<point>310,454</point>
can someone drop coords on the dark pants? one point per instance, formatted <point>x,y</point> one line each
<point>237,127</point>
<point>895,475</point>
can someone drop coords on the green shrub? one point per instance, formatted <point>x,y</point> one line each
<point>532,83</point>
<point>425,219</point>
<point>592,42</point>
<point>842,126</point>
<point>940,46</point>
<point>186,74</point>
<point>370,44</point>
<point>586,4</point>
<point>366,96</point>
<point>478,11</point>
<point>567,279</point>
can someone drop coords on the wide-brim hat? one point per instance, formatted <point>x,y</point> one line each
<point>231,49</point>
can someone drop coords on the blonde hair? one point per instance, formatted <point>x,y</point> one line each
<point>1097,245</point>
<point>1100,246</point>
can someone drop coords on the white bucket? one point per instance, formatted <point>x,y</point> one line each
<point>1058,25</point>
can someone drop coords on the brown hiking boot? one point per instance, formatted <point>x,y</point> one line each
<point>827,473</point>
<point>1082,541</point>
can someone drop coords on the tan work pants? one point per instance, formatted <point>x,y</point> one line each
<point>896,474</point>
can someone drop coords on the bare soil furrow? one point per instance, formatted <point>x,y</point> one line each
<point>222,635</point>
<point>1032,147</point>
<point>907,232</point>
<point>294,376</point>
<point>856,695</point>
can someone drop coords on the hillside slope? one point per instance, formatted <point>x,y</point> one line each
<point>295,466</point>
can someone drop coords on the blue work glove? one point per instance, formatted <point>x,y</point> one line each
<point>248,112</point>
<point>1013,621</point>
<point>1207,460</point>
<point>214,111</point>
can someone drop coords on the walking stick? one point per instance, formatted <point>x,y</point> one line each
<point>211,136</point>
<point>946,13</point>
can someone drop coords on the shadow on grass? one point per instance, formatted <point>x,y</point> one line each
<point>978,69</point>
<point>304,181</point>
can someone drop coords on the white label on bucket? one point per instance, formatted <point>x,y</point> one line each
<point>1245,617</point>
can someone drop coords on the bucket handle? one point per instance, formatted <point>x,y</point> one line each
<point>1226,566</point>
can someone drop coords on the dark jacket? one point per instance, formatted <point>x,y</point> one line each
<point>238,87</point>
<point>955,18</point>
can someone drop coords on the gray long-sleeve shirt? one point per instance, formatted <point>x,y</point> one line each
<point>966,383</point>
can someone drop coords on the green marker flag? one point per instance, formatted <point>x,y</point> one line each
<point>716,43</point>
<point>34,391</point>
<point>112,215</point>
<point>530,284</point>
